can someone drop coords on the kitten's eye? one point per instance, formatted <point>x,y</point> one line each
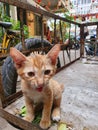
<point>47,72</point>
<point>31,74</point>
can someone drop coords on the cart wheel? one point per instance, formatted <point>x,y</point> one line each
<point>9,74</point>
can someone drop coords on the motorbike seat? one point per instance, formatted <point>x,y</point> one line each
<point>5,24</point>
<point>13,32</point>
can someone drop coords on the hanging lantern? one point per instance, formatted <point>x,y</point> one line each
<point>75,18</point>
<point>93,1</point>
<point>87,16</point>
<point>90,17</point>
<point>49,4</point>
<point>96,16</point>
<point>59,3</point>
<point>38,1</point>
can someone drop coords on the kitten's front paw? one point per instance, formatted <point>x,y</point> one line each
<point>56,115</point>
<point>56,118</point>
<point>45,124</point>
<point>29,119</point>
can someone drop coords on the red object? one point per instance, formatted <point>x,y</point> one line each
<point>38,1</point>
<point>39,88</point>
<point>87,16</point>
<point>74,17</point>
<point>49,4</point>
<point>96,15</point>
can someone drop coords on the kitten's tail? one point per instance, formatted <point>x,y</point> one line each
<point>62,88</point>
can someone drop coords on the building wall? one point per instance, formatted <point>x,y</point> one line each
<point>84,6</point>
<point>13,12</point>
<point>30,23</point>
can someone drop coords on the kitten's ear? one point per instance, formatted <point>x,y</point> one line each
<point>17,57</point>
<point>53,53</point>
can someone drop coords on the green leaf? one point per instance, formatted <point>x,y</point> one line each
<point>62,126</point>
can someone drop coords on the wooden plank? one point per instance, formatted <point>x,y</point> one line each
<point>26,52</point>
<point>82,40</point>
<point>18,122</point>
<point>15,107</point>
<point>2,97</point>
<point>22,29</point>
<point>90,23</point>
<point>12,98</point>
<point>24,5</point>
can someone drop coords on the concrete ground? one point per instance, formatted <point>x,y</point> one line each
<point>79,105</point>
<point>80,98</point>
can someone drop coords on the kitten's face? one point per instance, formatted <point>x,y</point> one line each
<point>36,69</point>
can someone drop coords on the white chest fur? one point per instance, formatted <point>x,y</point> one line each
<point>35,96</point>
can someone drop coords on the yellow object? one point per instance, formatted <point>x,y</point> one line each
<point>62,126</point>
<point>5,43</point>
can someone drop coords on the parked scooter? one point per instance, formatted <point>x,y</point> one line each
<point>75,43</point>
<point>91,47</point>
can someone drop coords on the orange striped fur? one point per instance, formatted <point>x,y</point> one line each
<point>37,85</point>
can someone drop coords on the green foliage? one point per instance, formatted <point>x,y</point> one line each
<point>15,25</point>
<point>1,35</point>
<point>26,31</point>
<point>64,25</point>
<point>66,36</point>
<point>94,20</point>
<point>68,16</point>
<point>1,10</point>
<point>5,18</point>
<point>37,115</point>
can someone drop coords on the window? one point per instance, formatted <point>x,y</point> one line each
<point>88,1</point>
<point>84,2</point>
<point>75,2</point>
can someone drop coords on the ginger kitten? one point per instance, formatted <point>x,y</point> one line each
<point>37,85</point>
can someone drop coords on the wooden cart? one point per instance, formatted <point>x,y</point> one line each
<point>9,105</point>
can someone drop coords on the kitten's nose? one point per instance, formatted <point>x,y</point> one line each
<point>40,85</point>
<point>40,81</point>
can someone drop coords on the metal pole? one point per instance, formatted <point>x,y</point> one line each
<point>75,40</point>
<point>22,29</point>
<point>54,31</point>
<point>62,41</point>
<point>82,40</point>
<point>42,33</point>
